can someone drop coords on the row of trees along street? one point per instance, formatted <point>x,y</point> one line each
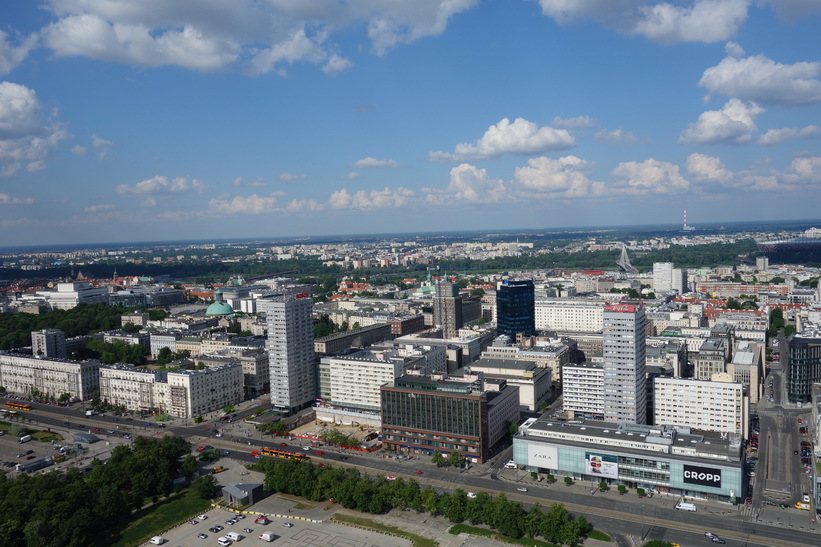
<point>354,490</point>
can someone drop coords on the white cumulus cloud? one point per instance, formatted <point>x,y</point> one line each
<point>734,123</point>
<point>759,78</point>
<point>649,177</point>
<point>776,136</point>
<point>6,199</point>
<point>102,145</point>
<point>14,53</point>
<point>571,123</point>
<point>519,137</point>
<point>161,185</point>
<point>704,168</point>
<point>557,178</point>
<point>616,136</point>
<point>26,135</point>
<point>373,162</point>
<point>250,205</point>
<point>471,184</point>
<point>664,22</point>
<point>373,199</point>
<point>257,36</point>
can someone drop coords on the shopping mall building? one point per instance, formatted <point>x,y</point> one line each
<point>663,459</point>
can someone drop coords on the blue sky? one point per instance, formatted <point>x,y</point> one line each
<point>156,120</point>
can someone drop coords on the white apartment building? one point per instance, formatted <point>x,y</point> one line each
<point>134,388</point>
<point>163,339</point>
<point>48,343</point>
<point>52,376</point>
<point>196,392</point>
<point>583,390</point>
<point>291,350</point>
<point>255,367</point>
<point>662,276</point>
<point>701,404</point>
<point>184,393</point>
<point>624,363</point>
<point>355,379</point>
<point>569,315</point>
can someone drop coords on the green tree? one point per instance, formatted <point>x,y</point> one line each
<point>455,458</point>
<point>189,465</point>
<point>205,487</point>
<point>438,459</point>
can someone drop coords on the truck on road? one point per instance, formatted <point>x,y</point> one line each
<point>267,536</point>
<point>684,506</point>
<point>24,439</point>
<point>90,413</point>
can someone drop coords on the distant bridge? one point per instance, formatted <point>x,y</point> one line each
<point>275,274</point>
<point>624,261</point>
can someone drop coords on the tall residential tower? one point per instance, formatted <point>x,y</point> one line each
<point>624,363</point>
<point>291,351</point>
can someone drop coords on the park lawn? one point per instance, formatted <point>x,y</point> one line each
<point>155,519</point>
<point>418,541</point>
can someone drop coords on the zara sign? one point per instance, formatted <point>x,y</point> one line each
<point>702,476</point>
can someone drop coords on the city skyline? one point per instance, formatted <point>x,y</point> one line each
<point>138,121</point>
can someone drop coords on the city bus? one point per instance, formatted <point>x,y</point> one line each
<point>273,452</point>
<point>18,406</point>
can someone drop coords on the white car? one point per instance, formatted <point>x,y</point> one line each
<point>287,524</point>
<point>224,541</point>
<point>471,495</point>
<point>202,517</point>
<point>522,489</point>
<point>306,448</point>
<point>806,498</point>
<point>710,534</point>
<point>391,478</point>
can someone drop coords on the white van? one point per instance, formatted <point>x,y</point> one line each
<point>684,506</point>
<point>510,465</point>
<point>234,536</point>
<point>157,540</point>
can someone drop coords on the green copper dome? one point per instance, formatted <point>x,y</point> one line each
<point>219,307</point>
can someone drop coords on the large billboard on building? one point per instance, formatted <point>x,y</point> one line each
<point>702,476</point>
<point>598,465</point>
<point>541,455</point>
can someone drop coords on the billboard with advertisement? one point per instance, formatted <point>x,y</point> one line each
<point>544,456</point>
<point>702,476</point>
<point>598,465</point>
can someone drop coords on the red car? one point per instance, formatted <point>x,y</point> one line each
<point>254,453</point>
<point>418,471</point>
<point>319,452</point>
<point>200,448</point>
<point>283,444</point>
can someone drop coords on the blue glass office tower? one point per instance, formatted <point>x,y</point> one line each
<point>516,308</point>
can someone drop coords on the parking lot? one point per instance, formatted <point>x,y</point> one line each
<point>299,533</point>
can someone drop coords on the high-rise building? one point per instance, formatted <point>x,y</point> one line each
<point>291,351</point>
<point>48,343</point>
<point>447,309</point>
<point>803,366</point>
<point>662,276</point>
<point>516,308</point>
<point>624,363</point>
<point>679,282</point>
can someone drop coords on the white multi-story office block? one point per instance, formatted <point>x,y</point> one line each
<point>570,315</point>
<point>679,282</point>
<point>24,373</point>
<point>291,350</point>
<point>583,390</point>
<point>48,343</point>
<point>700,404</point>
<point>624,363</point>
